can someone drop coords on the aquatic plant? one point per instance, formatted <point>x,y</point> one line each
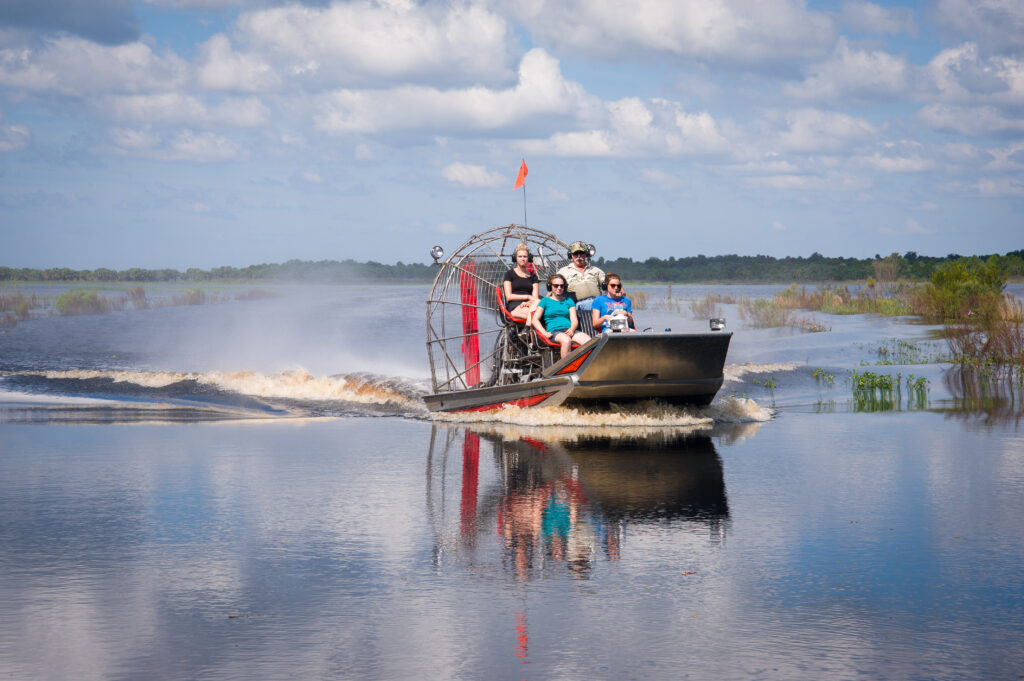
<point>899,351</point>
<point>638,299</point>
<point>884,392</point>
<point>763,313</point>
<point>891,300</point>
<point>82,301</point>
<point>822,376</point>
<point>257,294</point>
<point>137,296</point>
<point>16,307</point>
<point>193,296</point>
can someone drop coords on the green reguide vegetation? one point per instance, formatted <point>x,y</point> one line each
<point>721,268</point>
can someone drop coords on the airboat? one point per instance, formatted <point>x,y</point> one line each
<point>482,359</point>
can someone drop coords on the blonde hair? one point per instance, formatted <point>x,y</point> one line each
<point>521,247</point>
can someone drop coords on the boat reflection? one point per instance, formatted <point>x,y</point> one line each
<point>543,501</point>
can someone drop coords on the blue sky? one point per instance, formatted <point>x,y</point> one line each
<point>181,133</point>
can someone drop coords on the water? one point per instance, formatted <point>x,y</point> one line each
<point>253,490</point>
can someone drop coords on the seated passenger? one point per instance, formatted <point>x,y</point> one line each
<point>612,304</point>
<point>557,313</point>
<point>584,279</point>
<point>521,286</point>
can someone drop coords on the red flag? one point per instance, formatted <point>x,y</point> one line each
<point>521,177</point>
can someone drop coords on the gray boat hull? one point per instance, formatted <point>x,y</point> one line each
<point>678,368</point>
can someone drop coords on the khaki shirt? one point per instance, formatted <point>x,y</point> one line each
<point>585,284</point>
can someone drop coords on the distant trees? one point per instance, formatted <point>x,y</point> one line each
<point>699,268</point>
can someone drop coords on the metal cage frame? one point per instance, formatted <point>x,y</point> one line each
<point>469,342</point>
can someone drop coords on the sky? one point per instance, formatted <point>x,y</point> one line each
<point>200,133</point>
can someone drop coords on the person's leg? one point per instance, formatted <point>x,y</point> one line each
<point>580,338</point>
<point>563,340</point>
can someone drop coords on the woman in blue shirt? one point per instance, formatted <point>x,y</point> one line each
<point>556,316</point>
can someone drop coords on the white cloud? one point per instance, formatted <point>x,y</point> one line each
<point>14,138</point>
<point>961,75</point>
<point>888,163</point>
<point>446,228</point>
<point>219,67</point>
<point>914,227</point>
<point>472,176</point>
<point>867,17</point>
<point>997,24</point>
<point>1007,159</point>
<point>637,128</point>
<point>972,121</point>
<point>735,31</point>
<point>367,43</point>
<point>854,73</point>
<point>541,94</point>
<point>778,226</point>
<point>72,66</point>
<point>204,146</point>
<point>311,176</point>
<point>182,109</point>
<point>186,145</point>
<point>1000,187</point>
<point>659,178</point>
<point>910,226</point>
<point>815,131</point>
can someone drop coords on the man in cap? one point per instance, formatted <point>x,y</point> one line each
<point>584,279</point>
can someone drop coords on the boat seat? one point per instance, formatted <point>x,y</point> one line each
<point>499,295</point>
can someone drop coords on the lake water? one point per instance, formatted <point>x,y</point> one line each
<point>253,490</point>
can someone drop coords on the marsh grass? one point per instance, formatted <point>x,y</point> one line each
<point>889,300</point>
<point>260,294</point>
<point>708,306</point>
<point>762,313</point>
<point>16,307</point>
<point>897,351</point>
<point>82,301</point>
<point>137,297</point>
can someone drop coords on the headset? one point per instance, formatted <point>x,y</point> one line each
<point>547,283</point>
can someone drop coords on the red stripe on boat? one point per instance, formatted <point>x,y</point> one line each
<point>575,364</point>
<point>524,402</point>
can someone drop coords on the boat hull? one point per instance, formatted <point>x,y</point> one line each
<point>615,367</point>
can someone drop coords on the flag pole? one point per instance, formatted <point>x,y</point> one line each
<point>525,223</point>
<point>521,181</point>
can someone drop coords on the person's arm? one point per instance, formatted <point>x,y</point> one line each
<point>596,318</point>
<point>537,324</point>
<point>574,322</point>
<point>535,292</point>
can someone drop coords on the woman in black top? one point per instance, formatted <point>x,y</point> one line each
<point>521,286</point>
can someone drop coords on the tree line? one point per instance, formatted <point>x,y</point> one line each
<point>720,268</point>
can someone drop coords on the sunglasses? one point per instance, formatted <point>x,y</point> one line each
<point>558,286</point>
<point>579,254</point>
<point>614,285</point>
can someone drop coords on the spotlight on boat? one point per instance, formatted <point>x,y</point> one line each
<point>591,250</point>
<point>717,323</point>
<point>436,253</point>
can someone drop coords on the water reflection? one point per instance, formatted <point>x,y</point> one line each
<point>538,502</point>
<point>990,395</point>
